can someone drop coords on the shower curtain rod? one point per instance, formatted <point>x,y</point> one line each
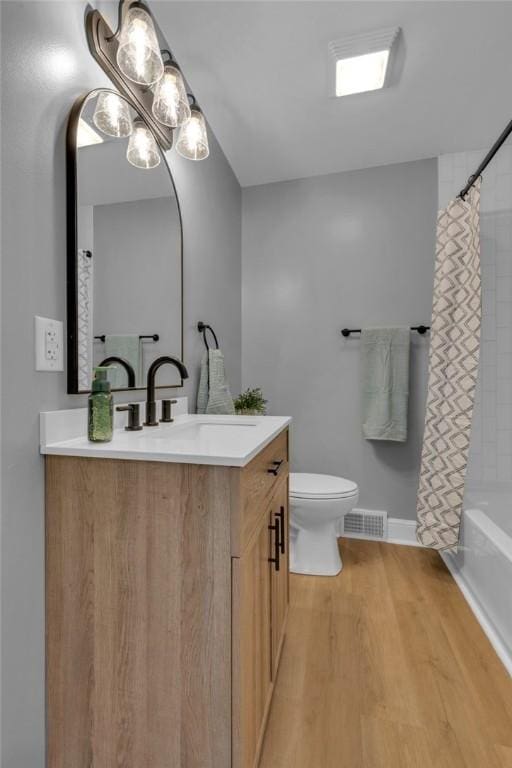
<point>487,159</point>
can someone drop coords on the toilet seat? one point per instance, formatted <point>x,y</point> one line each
<point>304,485</point>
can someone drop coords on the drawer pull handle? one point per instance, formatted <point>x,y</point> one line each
<point>277,466</point>
<point>277,546</point>
<point>282,537</point>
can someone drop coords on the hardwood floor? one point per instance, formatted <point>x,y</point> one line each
<point>385,666</point>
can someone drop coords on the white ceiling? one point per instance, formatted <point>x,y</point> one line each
<point>259,70</point>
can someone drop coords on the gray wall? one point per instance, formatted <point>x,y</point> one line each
<point>346,250</point>
<point>45,66</point>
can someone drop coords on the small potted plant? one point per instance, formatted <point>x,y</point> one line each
<point>251,403</point>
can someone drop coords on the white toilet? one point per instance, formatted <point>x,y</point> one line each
<point>317,504</point>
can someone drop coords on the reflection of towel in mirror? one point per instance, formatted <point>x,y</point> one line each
<point>127,347</point>
<point>213,395</point>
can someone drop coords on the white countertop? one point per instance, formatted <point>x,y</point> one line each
<point>191,439</point>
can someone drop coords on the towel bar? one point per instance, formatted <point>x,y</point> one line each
<point>152,336</point>
<point>422,329</point>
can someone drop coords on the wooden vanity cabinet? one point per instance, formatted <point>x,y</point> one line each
<point>280,578</point>
<point>165,615</point>
<point>260,604</point>
<point>252,646</point>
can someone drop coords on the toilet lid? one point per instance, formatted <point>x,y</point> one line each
<point>307,486</point>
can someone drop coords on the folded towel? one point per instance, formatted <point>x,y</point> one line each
<point>213,395</point>
<point>385,383</point>
<point>202,393</point>
<point>129,348</point>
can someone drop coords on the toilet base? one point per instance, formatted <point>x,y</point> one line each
<point>315,553</point>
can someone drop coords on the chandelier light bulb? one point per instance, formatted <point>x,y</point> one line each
<point>193,138</point>
<point>170,103</point>
<point>142,149</point>
<point>112,116</point>
<point>138,53</point>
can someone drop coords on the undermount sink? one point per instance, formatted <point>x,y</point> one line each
<point>202,430</point>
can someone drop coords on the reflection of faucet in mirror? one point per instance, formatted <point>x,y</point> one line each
<point>151,420</point>
<point>113,360</point>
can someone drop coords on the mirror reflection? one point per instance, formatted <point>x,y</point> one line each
<point>128,247</point>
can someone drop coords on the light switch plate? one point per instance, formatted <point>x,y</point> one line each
<point>49,344</point>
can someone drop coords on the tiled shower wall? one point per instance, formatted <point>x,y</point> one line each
<point>491,439</point>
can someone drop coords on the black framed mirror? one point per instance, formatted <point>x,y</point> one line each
<point>125,247</point>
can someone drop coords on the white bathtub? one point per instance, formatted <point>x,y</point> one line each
<point>483,565</point>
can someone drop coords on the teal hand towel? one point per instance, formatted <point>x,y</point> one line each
<point>385,356</point>
<point>214,396</point>
<point>128,347</point>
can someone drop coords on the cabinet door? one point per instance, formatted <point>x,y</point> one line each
<point>279,576</point>
<point>252,683</point>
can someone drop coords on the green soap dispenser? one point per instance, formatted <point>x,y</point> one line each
<point>101,408</point>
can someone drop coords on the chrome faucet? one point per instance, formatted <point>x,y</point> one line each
<point>113,359</point>
<point>151,420</point>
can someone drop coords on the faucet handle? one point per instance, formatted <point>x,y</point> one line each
<point>167,410</point>
<point>133,409</point>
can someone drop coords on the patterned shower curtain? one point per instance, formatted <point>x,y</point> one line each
<point>453,369</point>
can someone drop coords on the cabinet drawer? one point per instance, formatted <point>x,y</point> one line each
<point>257,481</point>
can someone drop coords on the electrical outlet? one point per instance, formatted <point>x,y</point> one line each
<point>49,344</point>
